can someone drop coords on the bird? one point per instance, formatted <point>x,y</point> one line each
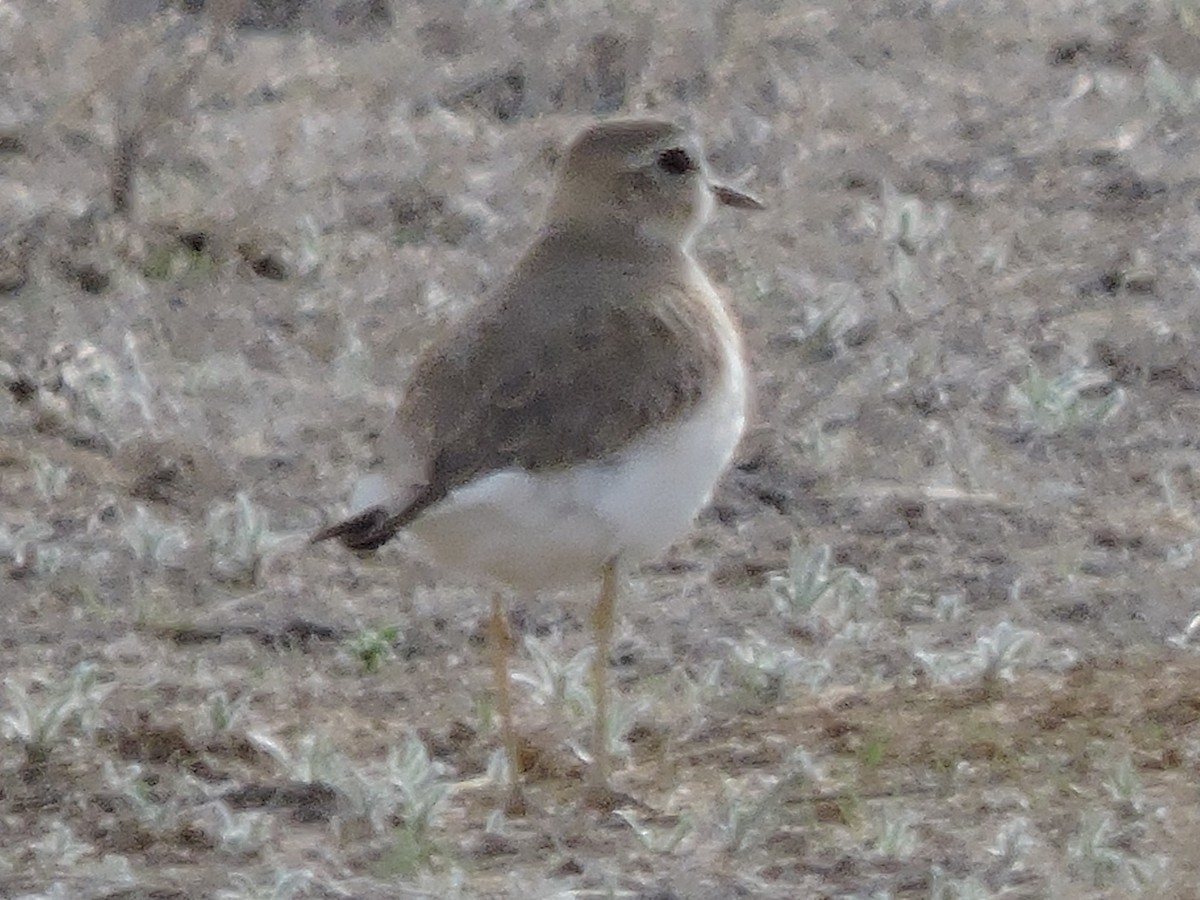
<point>576,419</point>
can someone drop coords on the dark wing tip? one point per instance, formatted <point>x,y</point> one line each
<point>369,530</point>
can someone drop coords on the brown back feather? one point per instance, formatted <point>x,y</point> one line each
<point>541,386</point>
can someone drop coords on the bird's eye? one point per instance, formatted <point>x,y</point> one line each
<point>676,161</point>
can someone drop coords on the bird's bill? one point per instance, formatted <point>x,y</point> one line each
<point>727,196</point>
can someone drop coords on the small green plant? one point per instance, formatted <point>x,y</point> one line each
<point>237,834</point>
<point>87,376</point>
<point>407,856</point>
<point>410,788</point>
<point>314,761</point>
<point>1012,847</point>
<point>997,654</point>
<point>421,793</point>
<point>171,260</point>
<point>1170,92</point>
<point>158,811</point>
<point>498,768</point>
<point>909,223</point>
<point>1001,650</point>
<point>1187,637</point>
<point>373,647</point>
<point>219,715</point>
<point>29,550</point>
<point>895,837</point>
<point>820,336</point>
<point>240,541</point>
<point>1058,404</point>
<point>485,710</point>
<point>282,884</point>
<point>874,750</point>
<point>60,847</point>
<point>943,887</point>
<point>41,720</point>
<point>561,683</point>
<point>748,818</point>
<point>910,232</point>
<point>352,365</point>
<point>1125,787</point>
<point>811,586</point>
<point>154,543</point>
<point>690,695</point>
<point>622,716</point>
<point>807,580</point>
<point>944,607</point>
<point>657,839</point>
<point>418,779</point>
<point>1098,853</point>
<point>759,671</point>
<point>51,479</point>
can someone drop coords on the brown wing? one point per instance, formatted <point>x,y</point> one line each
<point>621,347</point>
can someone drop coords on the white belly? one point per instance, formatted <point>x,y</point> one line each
<point>540,530</point>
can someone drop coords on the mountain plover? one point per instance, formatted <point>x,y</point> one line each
<point>579,417</point>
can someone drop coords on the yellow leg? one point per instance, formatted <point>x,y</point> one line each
<point>500,642</point>
<point>602,622</point>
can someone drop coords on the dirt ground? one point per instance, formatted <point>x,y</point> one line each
<point>932,639</point>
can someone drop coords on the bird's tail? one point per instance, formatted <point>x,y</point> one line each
<point>378,514</point>
<point>367,527</point>
<point>368,530</point>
